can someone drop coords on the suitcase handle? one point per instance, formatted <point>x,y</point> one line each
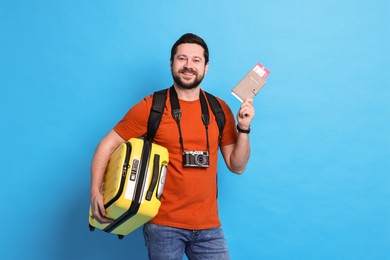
<point>153,183</point>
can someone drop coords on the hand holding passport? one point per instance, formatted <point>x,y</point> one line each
<point>251,84</point>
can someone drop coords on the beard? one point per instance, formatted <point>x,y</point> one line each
<point>187,84</point>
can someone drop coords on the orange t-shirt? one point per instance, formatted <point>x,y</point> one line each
<point>189,199</point>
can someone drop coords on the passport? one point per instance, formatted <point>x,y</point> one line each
<point>250,85</point>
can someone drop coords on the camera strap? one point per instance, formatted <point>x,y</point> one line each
<point>176,114</point>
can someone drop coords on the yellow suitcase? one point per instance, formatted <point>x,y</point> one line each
<point>132,186</point>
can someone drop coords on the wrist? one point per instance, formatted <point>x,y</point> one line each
<point>243,130</point>
<point>95,192</point>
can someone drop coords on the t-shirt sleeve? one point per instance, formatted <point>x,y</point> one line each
<point>134,123</point>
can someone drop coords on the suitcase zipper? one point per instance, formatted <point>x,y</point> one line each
<point>137,198</point>
<point>123,177</point>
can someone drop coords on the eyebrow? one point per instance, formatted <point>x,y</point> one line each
<point>194,57</point>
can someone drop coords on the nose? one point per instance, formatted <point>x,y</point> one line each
<point>188,64</point>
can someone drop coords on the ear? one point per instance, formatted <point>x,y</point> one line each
<point>206,68</point>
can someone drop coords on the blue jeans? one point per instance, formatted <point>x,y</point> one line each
<point>168,243</point>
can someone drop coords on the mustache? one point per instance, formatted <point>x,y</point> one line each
<point>186,70</point>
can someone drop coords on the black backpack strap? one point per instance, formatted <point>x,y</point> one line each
<point>157,110</point>
<point>156,113</point>
<point>218,112</point>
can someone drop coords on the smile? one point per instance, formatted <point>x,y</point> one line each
<point>188,72</point>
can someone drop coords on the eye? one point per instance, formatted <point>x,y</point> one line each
<point>181,58</point>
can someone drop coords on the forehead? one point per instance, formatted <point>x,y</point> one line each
<point>190,50</point>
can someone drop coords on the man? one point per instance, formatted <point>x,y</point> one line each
<point>187,221</point>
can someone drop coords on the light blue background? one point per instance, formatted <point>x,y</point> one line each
<point>317,184</point>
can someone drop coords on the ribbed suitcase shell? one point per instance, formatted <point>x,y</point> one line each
<point>131,194</point>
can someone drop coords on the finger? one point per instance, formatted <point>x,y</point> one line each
<point>104,220</point>
<point>97,212</point>
<point>248,101</point>
<point>101,209</point>
<point>100,218</point>
<point>246,112</point>
<point>247,107</point>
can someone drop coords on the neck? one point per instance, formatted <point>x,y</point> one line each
<point>187,94</point>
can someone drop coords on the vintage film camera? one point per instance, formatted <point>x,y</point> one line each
<point>196,159</point>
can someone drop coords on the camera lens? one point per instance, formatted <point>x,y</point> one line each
<point>200,159</point>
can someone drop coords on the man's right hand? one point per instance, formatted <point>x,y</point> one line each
<point>98,210</point>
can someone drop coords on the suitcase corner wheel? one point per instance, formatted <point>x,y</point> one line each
<point>91,228</point>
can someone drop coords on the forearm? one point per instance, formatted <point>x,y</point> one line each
<point>240,154</point>
<point>99,164</point>
<point>101,158</point>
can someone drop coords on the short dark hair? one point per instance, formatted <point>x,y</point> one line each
<point>191,38</point>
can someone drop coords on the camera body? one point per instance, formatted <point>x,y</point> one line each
<point>200,159</point>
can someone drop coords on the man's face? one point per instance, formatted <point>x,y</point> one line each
<point>188,65</point>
